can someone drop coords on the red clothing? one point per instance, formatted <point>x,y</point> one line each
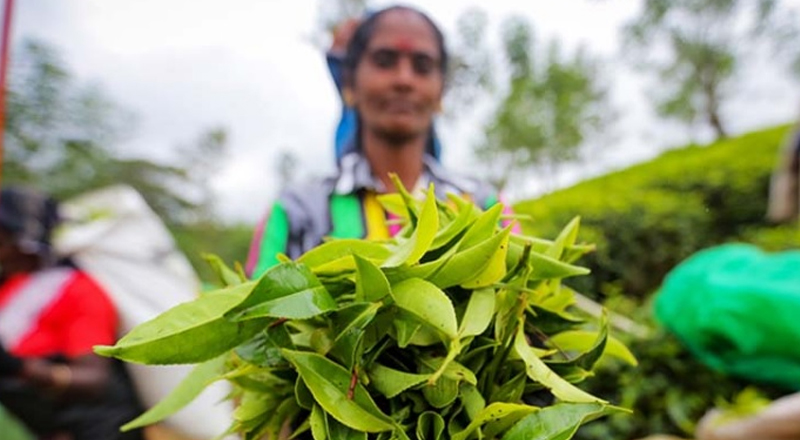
<point>77,318</point>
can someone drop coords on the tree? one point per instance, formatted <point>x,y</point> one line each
<point>60,137</point>
<point>332,13</point>
<point>697,48</point>
<point>470,71</point>
<point>555,103</point>
<point>200,158</point>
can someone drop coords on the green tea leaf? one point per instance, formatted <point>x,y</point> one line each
<point>458,226</point>
<point>412,212</point>
<point>335,249</point>
<point>303,395</point>
<point>585,361</point>
<point>450,375</point>
<point>393,203</point>
<point>545,267</point>
<point>473,401</point>
<point>371,283</point>
<point>428,304</point>
<point>550,322</point>
<point>452,370</point>
<point>330,384</point>
<point>510,390</point>
<point>483,228</point>
<point>338,431</point>
<point>582,340</point>
<point>188,333</point>
<point>557,422</point>
<point>187,390</point>
<point>493,413</point>
<point>319,427</point>
<point>463,266</point>
<point>430,426</point>
<point>565,238</point>
<point>264,349</point>
<point>285,291</point>
<point>442,393</point>
<point>409,251</point>
<point>391,382</point>
<point>424,270</point>
<point>479,313</point>
<point>252,408</point>
<point>337,267</point>
<point>495,269</point>
<point>226,276</point>
<point>349,324</point>
<point>559,300</point>
<point>275,420</point>
<point>541,373</point>
<point>405,329</point>
<point>304,304</point>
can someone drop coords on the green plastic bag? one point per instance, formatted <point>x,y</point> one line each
<point>737,309</point>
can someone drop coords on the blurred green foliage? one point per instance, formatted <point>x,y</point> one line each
<point>649,217</point>
<point>699,49</point>
<point>669,391</point>
<point>229,242</point>
<point>11,428</point>
<point>62,136</point>
<point>774,238</point>
<point>645,220</point>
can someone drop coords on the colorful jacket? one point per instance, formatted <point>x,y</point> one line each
<point>59,314</point>
<point>342,206</point>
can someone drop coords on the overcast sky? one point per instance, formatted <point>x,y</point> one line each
<point>250,66</point>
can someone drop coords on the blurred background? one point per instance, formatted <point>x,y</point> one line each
<point>658,121</point>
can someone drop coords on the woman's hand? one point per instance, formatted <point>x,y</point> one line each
<point>84,377</point>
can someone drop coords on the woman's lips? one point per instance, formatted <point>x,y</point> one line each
<point>400,106</point>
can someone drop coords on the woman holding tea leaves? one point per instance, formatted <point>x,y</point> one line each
<point>394,77</point>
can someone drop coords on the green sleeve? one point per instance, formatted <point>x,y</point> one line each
<point>274,238</point>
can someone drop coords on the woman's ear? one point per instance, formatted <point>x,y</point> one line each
<point>348,97</point>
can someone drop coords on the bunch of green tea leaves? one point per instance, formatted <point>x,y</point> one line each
<point>425,336</point>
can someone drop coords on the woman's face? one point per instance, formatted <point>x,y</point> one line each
<point>398,84</point>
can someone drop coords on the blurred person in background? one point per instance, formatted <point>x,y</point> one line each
<point>51,315</point>
<point>784,191</point>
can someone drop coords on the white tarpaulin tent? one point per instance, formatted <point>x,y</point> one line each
<point>113,235</point>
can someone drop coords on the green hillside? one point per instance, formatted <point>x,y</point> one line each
<point>647,218</point>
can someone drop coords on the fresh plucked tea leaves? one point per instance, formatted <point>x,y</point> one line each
<point>451,330</point>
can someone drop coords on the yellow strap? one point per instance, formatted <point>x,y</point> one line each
<point>375,218</point>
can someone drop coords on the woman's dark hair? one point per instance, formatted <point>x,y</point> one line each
<point>30,216</point>
<point>364,32</point>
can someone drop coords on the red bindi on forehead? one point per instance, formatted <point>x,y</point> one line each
<point>403,44</point>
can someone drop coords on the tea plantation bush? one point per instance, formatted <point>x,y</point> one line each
<point>647,218</point>
<point>773,238</point>
<point>669,391</point>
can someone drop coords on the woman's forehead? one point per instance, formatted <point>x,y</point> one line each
<point>404,31</point>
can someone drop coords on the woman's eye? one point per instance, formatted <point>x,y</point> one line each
<point>423,64</point>
<point>385,59</point>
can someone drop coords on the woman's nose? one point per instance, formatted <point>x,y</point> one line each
<point>404,71</point>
